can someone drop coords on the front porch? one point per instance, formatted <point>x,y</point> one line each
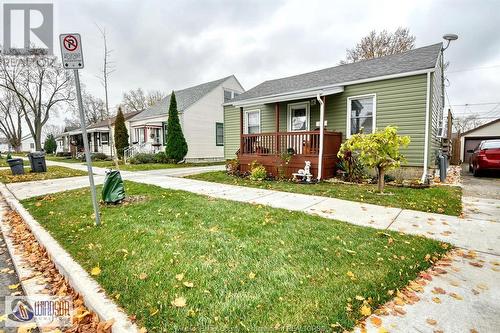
<point>269,149</point>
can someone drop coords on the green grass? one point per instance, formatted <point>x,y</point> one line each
<point>3,161</point>
<point>438,199</point>
<point>251,265</point>
<point>62,159</point>
<point>53,172</point>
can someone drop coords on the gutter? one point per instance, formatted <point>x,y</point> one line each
<point>426,141</point>
<point>321,134</point>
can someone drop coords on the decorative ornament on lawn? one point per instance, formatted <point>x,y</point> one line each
<point>304,174</point>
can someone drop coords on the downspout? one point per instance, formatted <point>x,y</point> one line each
<point>426,140</point>
<point>321,134</point>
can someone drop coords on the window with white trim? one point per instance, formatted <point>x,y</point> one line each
<point>252,122</point>
<point>298,117</point>
<point>105,138</point>
<point>219,134</point>
<point>361,114</point>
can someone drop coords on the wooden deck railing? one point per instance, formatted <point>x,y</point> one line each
<point>297,143</point>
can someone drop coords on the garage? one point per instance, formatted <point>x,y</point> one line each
<point>471,139</point>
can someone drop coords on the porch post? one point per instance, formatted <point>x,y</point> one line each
<point>276,136</point>
<point>241,130</point>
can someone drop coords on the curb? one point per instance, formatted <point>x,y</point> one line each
<point>93,296</point>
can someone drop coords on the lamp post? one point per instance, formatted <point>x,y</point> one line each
<point>448,38</point>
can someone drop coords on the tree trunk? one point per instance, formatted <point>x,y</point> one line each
<point>381,180</point>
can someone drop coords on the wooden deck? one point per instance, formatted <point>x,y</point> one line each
<point>268,149</point>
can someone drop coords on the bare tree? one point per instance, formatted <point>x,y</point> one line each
<point>93,108</point>
<point>40,85</point>
<point>10,120</point>
<point>107,70</point>
<point>464,124</point>
<point>380,44</point>
<point>137,100</point>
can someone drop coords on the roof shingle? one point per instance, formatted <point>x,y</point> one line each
<point>409,61</point>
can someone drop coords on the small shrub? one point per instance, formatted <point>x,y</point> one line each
<point>161,157</point>
<point>257,171</point>
<point>143,158</point>
<point>9,156</point>
<point>232,167</point>
<point>354,170</point>
<point>285,160</point>
<point>96,157</point>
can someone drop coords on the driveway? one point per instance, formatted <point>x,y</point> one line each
<point>481,196</point>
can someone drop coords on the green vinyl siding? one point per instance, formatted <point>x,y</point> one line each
<point>436,114</point>
<point>400,102</point>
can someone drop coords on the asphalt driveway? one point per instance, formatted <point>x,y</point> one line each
<point>481,196</point>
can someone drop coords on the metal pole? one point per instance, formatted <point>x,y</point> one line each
<point>86,147</point>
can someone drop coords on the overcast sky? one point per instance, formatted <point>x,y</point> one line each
<point>175,44</point>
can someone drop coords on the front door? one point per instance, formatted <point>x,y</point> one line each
<point>298,117</point>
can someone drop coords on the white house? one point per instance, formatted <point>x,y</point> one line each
<point>4,145</point>
<point>28,143</point>
<point>201,116</point>
<point>98,135</point>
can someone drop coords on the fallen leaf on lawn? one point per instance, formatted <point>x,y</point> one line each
<point>365,310</point>
<point>179,277</point>
<point>13,286</point>
<point>376,321</point>
<point>476,264</point>
<point>455,283</point>
<point>436,300</point>
<point>431,321</point>
<point>438,290</point>
<point>351,275</point>
<point>179,302</point>
<point>188,284</point>
<point>95,271</point>
<point>153,312</point>
<point>359,298</point>
<point>251,275</point>
<point>143,330</point>
<point>38,204</point>
<point>143,276</point>
<point>482,286</point>
<point>82,315</point>
<point>456,296</point>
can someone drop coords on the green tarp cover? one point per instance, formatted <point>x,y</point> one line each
<point>113,190</point>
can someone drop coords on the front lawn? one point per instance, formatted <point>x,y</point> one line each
<point>438,199</point>
<point>65,159</point>
<point>179,260</point>
<point>53,172</point>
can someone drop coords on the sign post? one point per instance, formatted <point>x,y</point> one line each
<point>72,58</point>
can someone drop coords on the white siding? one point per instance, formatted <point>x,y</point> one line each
<point>199,122</point>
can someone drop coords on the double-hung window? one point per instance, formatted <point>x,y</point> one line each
<point>252,122</point>
<point>361,112</point>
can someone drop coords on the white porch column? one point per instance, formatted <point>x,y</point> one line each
<point>321,134</point>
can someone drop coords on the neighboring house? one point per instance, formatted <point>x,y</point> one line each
<point>283,115</point>
<point>98,135</point>
<point>28,143</point>
<point>4,145</point>
<point>472,138</point>
<point>201,117</point>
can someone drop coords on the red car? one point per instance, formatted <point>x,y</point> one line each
<point>485,157</point>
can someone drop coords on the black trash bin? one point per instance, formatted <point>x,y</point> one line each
<point>37,161</point>
<point>16,166</point>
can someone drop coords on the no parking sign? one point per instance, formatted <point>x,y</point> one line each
<point>71,51</point>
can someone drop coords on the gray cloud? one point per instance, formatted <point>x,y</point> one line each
<point>173,44</point>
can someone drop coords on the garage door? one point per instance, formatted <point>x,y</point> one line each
<point>472,143</point>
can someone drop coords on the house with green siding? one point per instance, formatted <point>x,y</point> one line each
<point>285,122</point>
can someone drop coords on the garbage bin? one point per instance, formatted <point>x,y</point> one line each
<point>113,190</point>
<point>16,166</point>
<point>37,161</point>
